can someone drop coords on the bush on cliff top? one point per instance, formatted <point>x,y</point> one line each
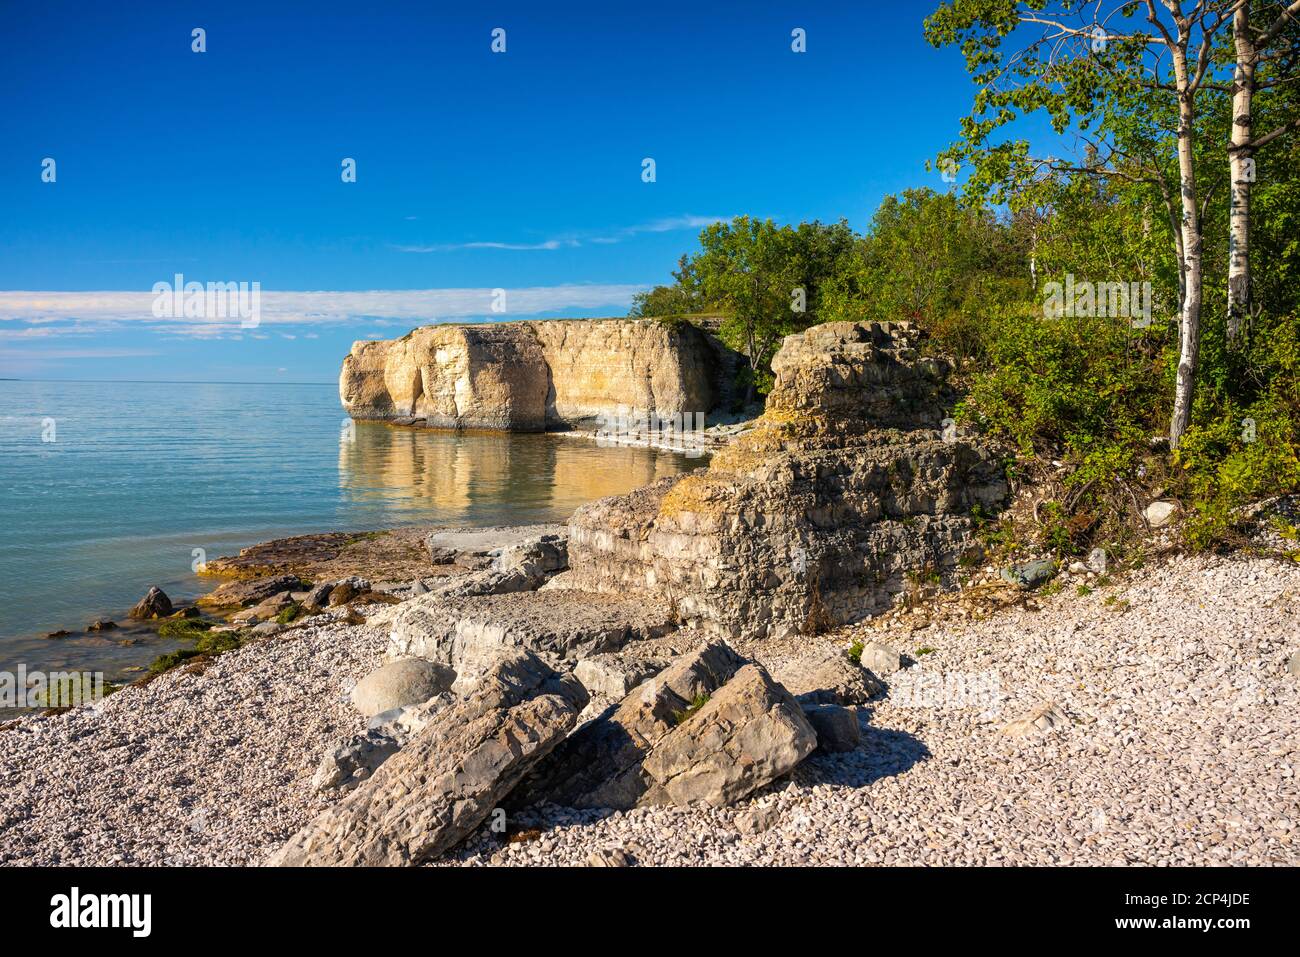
<point>1083,400</point>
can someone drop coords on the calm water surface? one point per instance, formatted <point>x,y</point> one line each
<point>139,475</point>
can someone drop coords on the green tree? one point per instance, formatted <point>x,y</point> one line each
<point>680,299</point>
<point>930,258</point>
<point>1127,77</point>
<point>768,280</point>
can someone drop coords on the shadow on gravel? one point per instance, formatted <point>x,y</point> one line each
<point>882,754</point>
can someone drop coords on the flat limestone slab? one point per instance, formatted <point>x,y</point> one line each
<point>484,540</point>
<point>469,633</point>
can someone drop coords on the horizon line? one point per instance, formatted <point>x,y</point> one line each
<point>170,381</point>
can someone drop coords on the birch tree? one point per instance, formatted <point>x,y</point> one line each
<point>1102,70</point>
<point>1253,47</point>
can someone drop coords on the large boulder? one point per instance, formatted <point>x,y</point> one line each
<point>612,675</point>
<point>750,732</point>
<point>400,683</point>
<point>837,728</point>
<point>444,783</point>
<point>600,766</point>
<point>828,676</point>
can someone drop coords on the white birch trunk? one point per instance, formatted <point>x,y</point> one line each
<point>1240,162</point>
<point>1189,333</point>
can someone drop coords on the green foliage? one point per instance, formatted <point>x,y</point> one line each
<point>1244,444</point>
<point>685,714</point>
<point>930,258</point>
<point>186,629</point>
<point>766,280</point>
<point>855,651</point>
<point>210,643</point>
<point>1083,398</point>
<point>67,690</point>
<point>291,613</point>
<point>679,299</point>
<point>1084,387</point>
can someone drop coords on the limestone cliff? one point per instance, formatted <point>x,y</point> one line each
<point>816,517</point>
<point>530,376</point>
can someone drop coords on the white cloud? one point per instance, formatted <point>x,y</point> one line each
<point>447,247</point>
<point>604,238</point>
<point>26,315</point>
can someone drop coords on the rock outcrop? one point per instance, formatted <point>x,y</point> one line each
<point>432,793</point>
<point>600,765</point>
<point>750,732</point>
<point>848,486</point>
<point>467,632</point>
<point>710,728</point>
<point>531,376</point>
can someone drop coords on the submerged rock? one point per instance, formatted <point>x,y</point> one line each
<point>155,604</point>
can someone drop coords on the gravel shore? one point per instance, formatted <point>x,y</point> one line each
<point>1178,745</point>
<point>209,768</point>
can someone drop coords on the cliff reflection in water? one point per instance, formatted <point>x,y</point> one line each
<point>434,477</point>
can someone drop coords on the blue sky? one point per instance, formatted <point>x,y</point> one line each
<point>475,170</point>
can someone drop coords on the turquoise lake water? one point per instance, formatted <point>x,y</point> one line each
<point>139,475</point>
